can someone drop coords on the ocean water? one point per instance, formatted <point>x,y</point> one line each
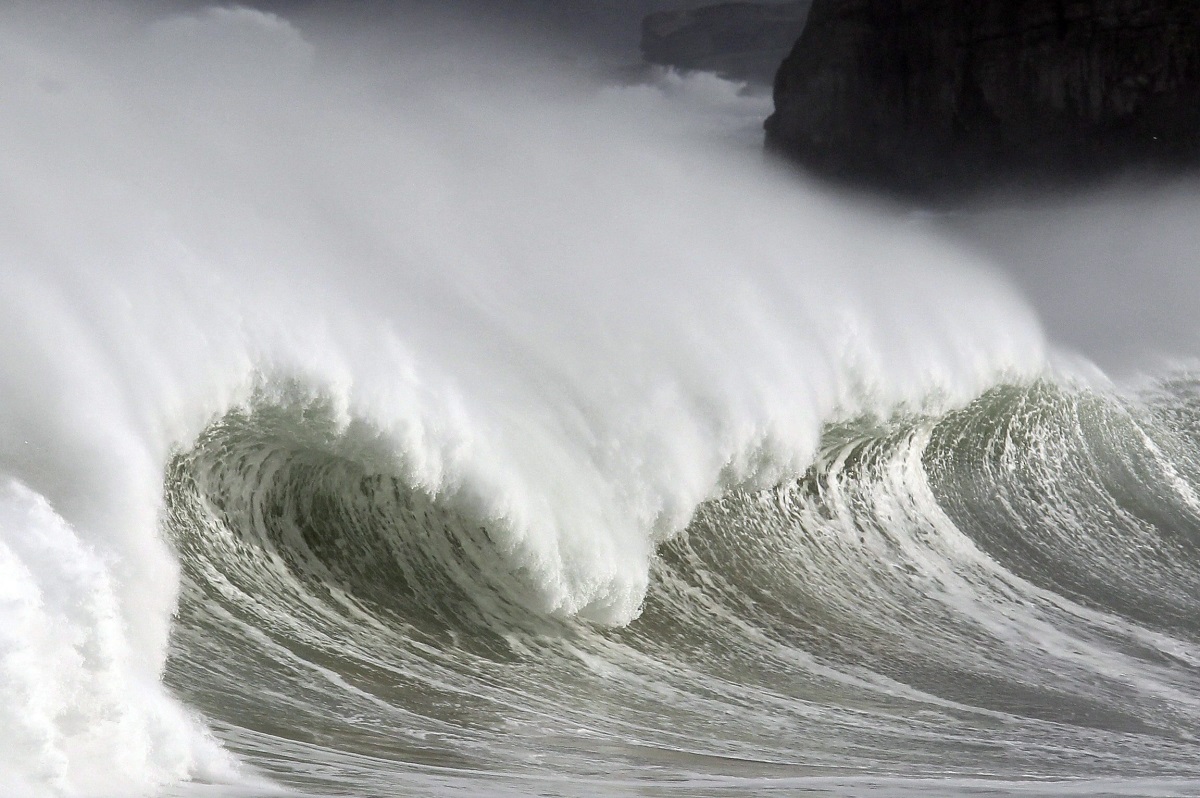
<point>386,413</point>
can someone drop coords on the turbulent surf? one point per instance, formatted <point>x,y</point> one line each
<point>384,416</point>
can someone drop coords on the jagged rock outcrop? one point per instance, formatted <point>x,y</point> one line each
<point>936,95</point>
<point>740,41</point>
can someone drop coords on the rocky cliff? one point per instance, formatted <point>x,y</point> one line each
<point>930,95</point>
<point>741,41</point>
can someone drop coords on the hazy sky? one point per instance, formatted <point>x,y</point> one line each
<point>610,27</point>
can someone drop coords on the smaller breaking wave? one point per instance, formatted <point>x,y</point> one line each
<point>74,697</point>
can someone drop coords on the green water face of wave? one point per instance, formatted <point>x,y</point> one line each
<point>1010,590</point>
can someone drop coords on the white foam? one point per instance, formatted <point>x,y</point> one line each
<point>79,713</point>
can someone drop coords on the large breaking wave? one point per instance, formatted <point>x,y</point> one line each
<point>429,423</point>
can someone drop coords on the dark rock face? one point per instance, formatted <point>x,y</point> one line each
<point>740,41</point>
<point>936,95</point>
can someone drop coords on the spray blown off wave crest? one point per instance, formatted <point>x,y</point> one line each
<point>553,315</point>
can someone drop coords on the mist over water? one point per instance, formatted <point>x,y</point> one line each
<point>1112,274</point>
<point>385,411</point>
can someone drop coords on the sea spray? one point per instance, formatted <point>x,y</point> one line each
<point>556,307</point>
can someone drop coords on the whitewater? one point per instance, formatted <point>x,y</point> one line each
<point>392,410</point>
